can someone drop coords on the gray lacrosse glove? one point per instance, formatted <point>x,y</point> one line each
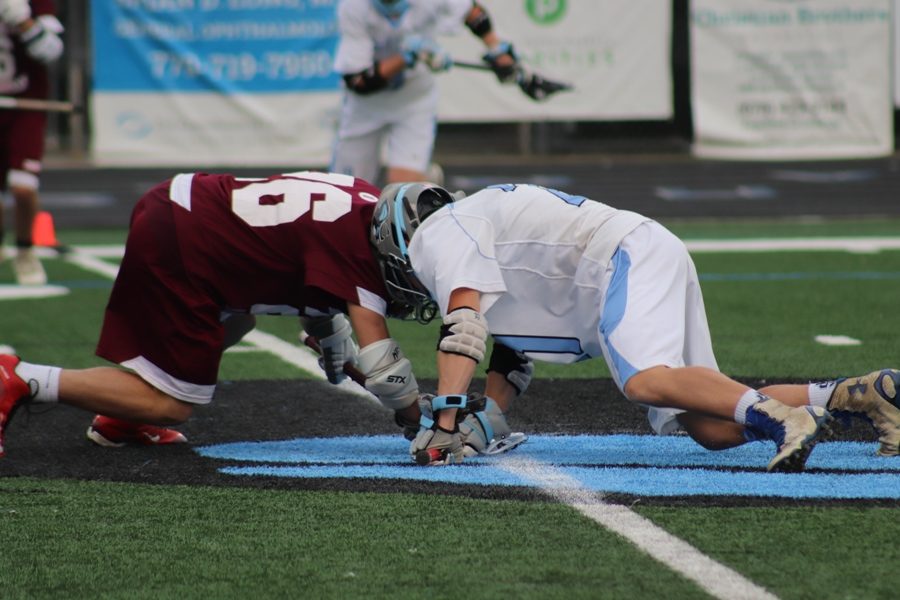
<point>434,445</point>
<point>334,335</point>
<point>411,428</point>
<point>42,43</point>
<point>14,12</point>
<point>487,432</point>
<point>437,446</point>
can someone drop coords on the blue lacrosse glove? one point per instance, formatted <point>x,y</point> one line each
<point>421,49</point>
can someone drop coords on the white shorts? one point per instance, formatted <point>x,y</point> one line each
<point>395,128</point>
<point>653,312</point>
<point>407,145</point>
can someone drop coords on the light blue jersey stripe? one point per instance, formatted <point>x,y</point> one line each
<point>614,312</point>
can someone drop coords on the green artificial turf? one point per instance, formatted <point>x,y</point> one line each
<point>812,552</point>
<point>70,539</point>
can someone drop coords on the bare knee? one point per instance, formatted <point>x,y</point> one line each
<point>647,386</point>
<point>170,411</point>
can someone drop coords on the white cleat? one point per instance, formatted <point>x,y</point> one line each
<point>28,268</point>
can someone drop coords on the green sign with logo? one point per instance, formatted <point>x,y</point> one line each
<point>546,12</point>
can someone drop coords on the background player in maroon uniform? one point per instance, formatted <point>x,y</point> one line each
<point>29,41</point>
<point>204,254</point>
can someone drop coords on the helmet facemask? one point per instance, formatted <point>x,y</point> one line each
<point>399,212</point>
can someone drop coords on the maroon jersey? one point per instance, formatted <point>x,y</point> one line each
<point>201,246</point>
<point>286,241</point>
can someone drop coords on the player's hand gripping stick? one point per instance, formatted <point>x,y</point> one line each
<point>349,368</point>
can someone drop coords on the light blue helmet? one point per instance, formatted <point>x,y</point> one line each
<point>392,9</point>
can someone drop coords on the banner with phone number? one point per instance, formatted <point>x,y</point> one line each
<point>250,82</point>
<point>213,82</point>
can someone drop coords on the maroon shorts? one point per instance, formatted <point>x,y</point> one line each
<point>157,322</point>
<point>21,141</point>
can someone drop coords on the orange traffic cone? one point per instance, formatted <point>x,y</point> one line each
<point>42,231</point>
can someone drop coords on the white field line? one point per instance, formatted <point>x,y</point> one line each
<point>714,578</point>
<point>302,358</point>
<point>89,261</point>
<point>855,244</point>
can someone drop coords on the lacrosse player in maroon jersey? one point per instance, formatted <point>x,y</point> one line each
<point>204,254</point>
<point>29,42</point>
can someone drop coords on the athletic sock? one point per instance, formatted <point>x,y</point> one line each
<point>820,392</point>
<point>749,398</point>
<point>43,381</point>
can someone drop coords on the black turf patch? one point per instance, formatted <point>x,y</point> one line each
<point>49,441</point>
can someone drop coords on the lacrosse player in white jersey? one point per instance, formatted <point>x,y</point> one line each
<point>562,278</point>
<point>387,57</point>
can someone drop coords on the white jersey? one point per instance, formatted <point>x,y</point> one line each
<point>537,256</point>
<point>366,36</point>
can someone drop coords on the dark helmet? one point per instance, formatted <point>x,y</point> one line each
<point>400,210</point>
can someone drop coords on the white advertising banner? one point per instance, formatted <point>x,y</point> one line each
<point>805,79</point>
<point>897,53</point>
<point>213,82</point>
<point>616,54</point>
<point>251,82</point>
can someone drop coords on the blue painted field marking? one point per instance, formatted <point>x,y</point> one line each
<point>632,464</point>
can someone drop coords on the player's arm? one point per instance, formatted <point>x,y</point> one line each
<point>388,372</point>
<point>376,77</point>
<point>460,348</point>
<point>500,54</point>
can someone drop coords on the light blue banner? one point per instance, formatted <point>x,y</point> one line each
<point>226,46</point>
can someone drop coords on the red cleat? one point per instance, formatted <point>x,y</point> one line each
<point>115,433</point>
<point>13,391</point>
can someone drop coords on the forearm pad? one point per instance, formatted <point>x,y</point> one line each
<point>464,332</point>
<point>515,367</point>
<point>366,82</point>
<point>388,374</point>
<point>479,21</point>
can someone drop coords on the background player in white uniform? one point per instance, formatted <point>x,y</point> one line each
<point>562,278</point>
<point>387,56</point>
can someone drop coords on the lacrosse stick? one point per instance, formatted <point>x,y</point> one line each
<point>533,85</point>
<point>12,102</point>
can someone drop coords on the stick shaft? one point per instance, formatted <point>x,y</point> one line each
<point>12,102</point>
<point>470,65</point>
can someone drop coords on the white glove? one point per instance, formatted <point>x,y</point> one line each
<point>417,48</point>
<point>41,44</point>
<point>334,335</point>
<point>487,432</point>
<point>434,445</point>
<point>437,447</point>
<point>14,12</point>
